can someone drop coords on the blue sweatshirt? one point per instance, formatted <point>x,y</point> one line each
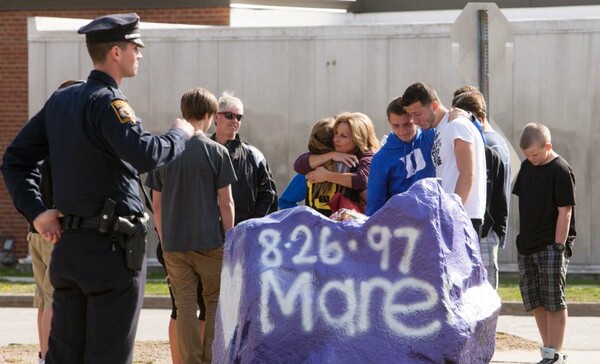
<point>397,166</point>
<point>293,193</point>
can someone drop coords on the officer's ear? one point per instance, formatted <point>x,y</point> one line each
<point>117,49</point>
<point>114,53</point>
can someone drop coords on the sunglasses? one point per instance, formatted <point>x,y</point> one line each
<point>231,116</point>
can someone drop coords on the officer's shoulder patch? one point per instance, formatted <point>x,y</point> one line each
<point>124,112</point>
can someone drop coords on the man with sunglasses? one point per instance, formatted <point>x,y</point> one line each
<point>254,191</point>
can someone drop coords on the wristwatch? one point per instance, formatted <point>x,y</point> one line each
<point>559,247</point>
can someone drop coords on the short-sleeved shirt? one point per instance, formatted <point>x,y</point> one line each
<point>446,167</point>
<point>190,214</point>
<point>541,190</point>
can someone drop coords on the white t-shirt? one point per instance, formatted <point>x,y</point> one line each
<point>444,160</point>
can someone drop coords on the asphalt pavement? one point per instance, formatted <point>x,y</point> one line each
<point>18,326</point>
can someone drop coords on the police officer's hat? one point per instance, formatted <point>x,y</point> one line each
<point>113,28</point>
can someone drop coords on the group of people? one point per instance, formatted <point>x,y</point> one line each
<point>460,147</point>
<point>93,149</point>
<point>427,140</point>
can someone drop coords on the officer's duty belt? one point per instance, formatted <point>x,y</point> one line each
<point>73,222</point>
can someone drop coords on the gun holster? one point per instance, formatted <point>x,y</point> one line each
<point>133,240</point>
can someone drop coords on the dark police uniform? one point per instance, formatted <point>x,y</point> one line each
<point>97,147</point>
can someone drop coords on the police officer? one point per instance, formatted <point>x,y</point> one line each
<point>97,147</point>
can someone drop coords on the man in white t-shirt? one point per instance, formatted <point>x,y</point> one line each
<point>458,152</point>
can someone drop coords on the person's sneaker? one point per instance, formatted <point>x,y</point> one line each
<point>551,356</point>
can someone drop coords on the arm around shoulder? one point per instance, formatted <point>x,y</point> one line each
<point>360,178</point>
<point>302,164</point>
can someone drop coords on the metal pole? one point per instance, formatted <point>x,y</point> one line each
<point>484,61</point>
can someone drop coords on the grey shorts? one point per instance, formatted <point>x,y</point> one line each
<point>543,278</point>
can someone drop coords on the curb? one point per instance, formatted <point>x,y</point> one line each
<point>164,302</point>
<point>26,301</point>
<point>576,309</point>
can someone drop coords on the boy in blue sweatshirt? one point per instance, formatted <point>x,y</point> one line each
<point>404,159</point>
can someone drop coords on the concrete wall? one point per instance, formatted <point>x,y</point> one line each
<point>289,77</point>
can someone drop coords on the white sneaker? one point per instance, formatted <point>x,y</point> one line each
<point>551,356</point>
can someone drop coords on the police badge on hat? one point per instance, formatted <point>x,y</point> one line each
<point>124,112</point>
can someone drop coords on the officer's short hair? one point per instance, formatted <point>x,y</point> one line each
<point>198,102</point>
<point>99,51</point>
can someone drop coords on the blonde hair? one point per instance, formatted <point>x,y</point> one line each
<point>361,129</point>
<point>321,142</point>
<point>534,134</point>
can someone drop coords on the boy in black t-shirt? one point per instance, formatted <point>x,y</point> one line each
<point>546,189</point>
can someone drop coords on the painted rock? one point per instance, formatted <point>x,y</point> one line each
<point>405,286</point>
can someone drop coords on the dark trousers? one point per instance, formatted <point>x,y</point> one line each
<point>97,301</point>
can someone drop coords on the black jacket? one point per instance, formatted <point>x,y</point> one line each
<point>496,211</point>
<point>254,192</point>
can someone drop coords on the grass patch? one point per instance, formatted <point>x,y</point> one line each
<point>153,288</point>
<point>578,289</point>
<point>8,288</point>
<point>12,272</point>
<point>157,288</point>
<point>155,283</point>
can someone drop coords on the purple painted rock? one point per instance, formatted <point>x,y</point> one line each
<point>406,286</point>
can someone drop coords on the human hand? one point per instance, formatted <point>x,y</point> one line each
<point>318,175</point>
<point>48,225</point>
<point>349,160</point>
<point>455,112</point>
<point>183,124</point>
